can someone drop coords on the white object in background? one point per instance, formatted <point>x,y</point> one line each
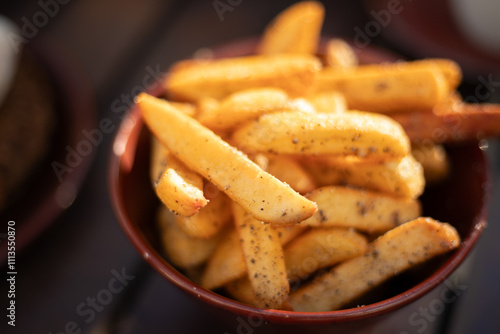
<point>8,56</point>
<point>480,22</point>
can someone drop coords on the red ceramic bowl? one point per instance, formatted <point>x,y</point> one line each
<point>391,308</point>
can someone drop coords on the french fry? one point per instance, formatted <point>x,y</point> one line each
<point>178,187</point>
<point>258,192</point>
<point>183,250</point>
<point>361,209</point>
<point>463,122</point>
<point>328,101</point>
<point>295,30</point>
<point>397,250</point>
<point>242,291</point>
<point>191,80</point>
<point>353,133</point>
<point>338,53</point>
<point>401,178</point>
<point>247,105</point>
<point>288,170</point>
<point>228,263</point>
<point>209,220</point>
<point>389,87</point>
<point>264,259</point>
<point>434,161</point>
<point>320,248</point>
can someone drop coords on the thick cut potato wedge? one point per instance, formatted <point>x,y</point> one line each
<point>247,105</point>
<point>191,80</point>
<point>352,133</point>
<point>295,30</point>
<point>288,170</point>
<point>387,88</point>
<point>401,178</point>
<point>209,220</point>
<point>399,249</point>
<point>242,291</point>
<point>178,187</point>
<point>339,54</point>
<point>434,161</point>
<point>183,250</point>
<point>320,248</point>
<point>264,259</point>
<point>328,102</point>
<point>228,263</point>
<point>361,209</point>
<point>463,122</point>
<point>257,191</point>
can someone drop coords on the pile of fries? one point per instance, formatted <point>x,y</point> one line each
<point>283,164</point>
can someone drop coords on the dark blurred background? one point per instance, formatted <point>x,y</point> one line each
<point>113,46</point>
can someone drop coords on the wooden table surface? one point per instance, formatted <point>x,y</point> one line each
<point>117,44</point>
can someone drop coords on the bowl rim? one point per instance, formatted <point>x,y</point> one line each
<point>133,119</point>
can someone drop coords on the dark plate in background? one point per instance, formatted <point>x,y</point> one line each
<point>45,196</point>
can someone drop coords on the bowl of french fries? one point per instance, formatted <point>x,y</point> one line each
<point>303,182</point>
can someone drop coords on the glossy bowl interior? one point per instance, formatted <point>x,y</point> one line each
<point>461,200</point>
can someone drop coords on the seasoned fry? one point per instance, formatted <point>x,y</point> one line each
<point>328,101</point>
<point>401,178</point>
<point>264,259</point>
<point>178,187</point>
<point>397,250</point>
<point>247,105</point>
<point>353,133</point>
<point>242,291</point>
<point>434,161</point>
<point>364,210</point>
<point>288,170</point>
<point>387,88</point>
<point>321,248</point>
<point>183,250</point>
<point>295,30</point>
<point>264,196</point>
<point>209,220</point>
<point>464,122</point>
<point>226,264</point>
<point>191,80</point>
<point>340,54</point>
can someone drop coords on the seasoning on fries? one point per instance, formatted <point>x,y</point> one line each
<point>320,162</point>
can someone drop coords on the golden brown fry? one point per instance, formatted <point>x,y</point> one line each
<point>178,187</point>
<point>295,30</point>
<point>340,54</point>
<point>434,161</point>
<point>209,220</point>
<point>242,291</point>
<point>320,248</point>
<point>288,170</point>
<point>402,178</point>
<point>192,80</point>
<point>264,259</point>
<point>399,249</point>
<point>328,102</point>
<point>389,87</point>
<point>352,133</point>
<point>463,122</point>
<point>226,264</point>
<point>247,105</point>
<point>183,250</point>
<point>264,196</point>
<point>364,210</point>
